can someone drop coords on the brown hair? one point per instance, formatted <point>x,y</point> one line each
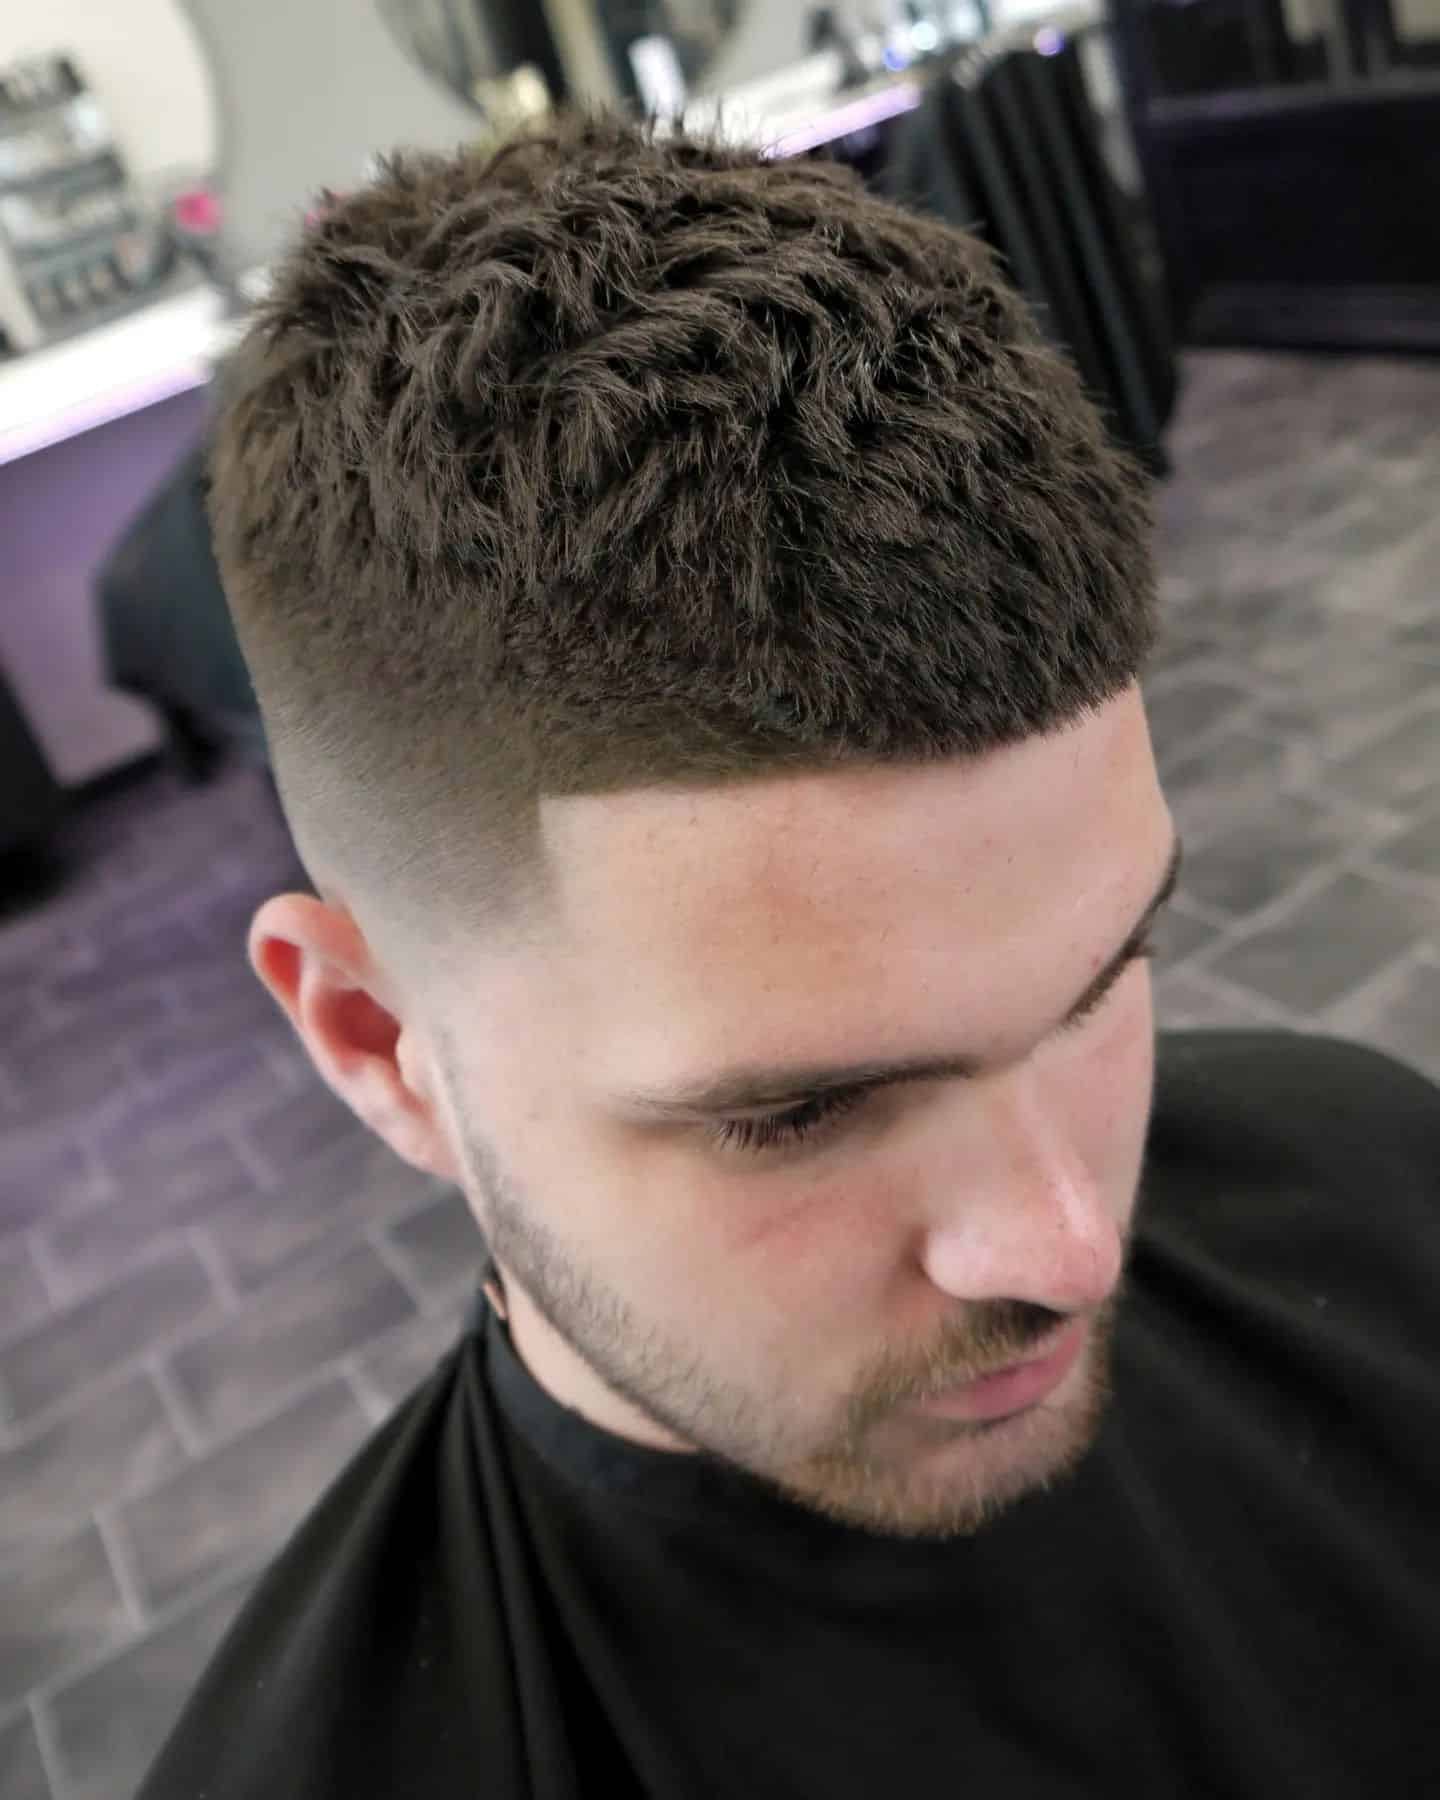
<point>612,459</point>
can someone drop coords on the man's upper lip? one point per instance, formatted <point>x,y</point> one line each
<point>1046,1350</point>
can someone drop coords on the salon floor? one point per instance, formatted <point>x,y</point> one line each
<point>214,1283</point>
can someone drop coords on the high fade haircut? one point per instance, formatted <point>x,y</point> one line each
<point>613,458</point>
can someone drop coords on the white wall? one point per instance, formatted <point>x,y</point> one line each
<point>309,91</point>
<point>146,65</point>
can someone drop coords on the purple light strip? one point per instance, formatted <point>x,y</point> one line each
<point>901,96</point>
<point>101,409</point>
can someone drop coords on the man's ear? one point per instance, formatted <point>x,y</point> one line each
<point>313,958</point>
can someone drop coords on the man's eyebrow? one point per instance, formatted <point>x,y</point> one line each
<point>750,1085</point>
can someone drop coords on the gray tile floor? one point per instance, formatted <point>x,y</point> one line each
<point>214,1283</point>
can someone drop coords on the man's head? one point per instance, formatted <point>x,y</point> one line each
<point>697,622</point>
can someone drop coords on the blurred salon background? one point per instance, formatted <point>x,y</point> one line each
<point>214,1282</point>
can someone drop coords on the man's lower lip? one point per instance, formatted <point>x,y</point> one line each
<point>995,1395</point>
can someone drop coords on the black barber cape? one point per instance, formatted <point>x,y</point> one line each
<point>1236,1593</point>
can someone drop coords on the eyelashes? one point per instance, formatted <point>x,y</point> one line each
<point>784,1130</point>
<point>791,1126</point>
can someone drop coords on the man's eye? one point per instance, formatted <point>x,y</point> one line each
<point>784,1128</point>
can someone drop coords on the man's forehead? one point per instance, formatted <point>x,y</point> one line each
<point>829,855</point>
<point>865,912</point>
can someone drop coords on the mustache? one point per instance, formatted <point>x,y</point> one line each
<point>1008,1331</point>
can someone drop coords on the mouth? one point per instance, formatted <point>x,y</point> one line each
<point>1012,1389</point>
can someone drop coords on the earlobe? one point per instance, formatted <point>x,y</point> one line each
<point>423,1147</point>
<point>429,1143</point>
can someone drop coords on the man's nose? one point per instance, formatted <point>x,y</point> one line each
<point>1017,1215</point>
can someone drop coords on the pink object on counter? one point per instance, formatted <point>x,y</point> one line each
<point>198,210</point>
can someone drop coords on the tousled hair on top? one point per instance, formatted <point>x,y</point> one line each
<point>612,459</point>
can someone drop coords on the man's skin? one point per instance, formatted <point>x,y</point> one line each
<point>788,1308</point>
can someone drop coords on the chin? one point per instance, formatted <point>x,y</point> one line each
<point>936,1478</point>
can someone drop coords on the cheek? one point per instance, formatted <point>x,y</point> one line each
<point>795,1248</point>
<point>763,1263</point>
<point>1104,1087</point>
<point>683,1239</point>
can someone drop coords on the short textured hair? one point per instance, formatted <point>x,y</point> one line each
<point>611,459</point>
